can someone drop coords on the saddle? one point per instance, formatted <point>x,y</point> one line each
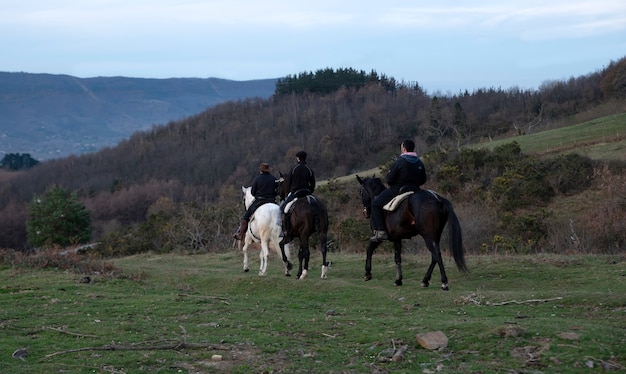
<point>393,204</point>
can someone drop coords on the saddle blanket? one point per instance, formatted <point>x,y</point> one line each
<point>393,204</point>
<point>289,206</point>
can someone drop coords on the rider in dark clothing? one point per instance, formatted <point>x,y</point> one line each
<point>407,170</point>
<point>264,189</point>
<point>301,183</point>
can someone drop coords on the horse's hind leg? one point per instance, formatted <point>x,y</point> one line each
<point>287,263</point>
<point>303,256</point>
<point>435,259</point>
<point>285,254</point>
<point>444,277</point>
<point>429,272</point>
<point>397,246</point>
<point>324,245</point>
<point>245,257</point>
<point>263,257</point>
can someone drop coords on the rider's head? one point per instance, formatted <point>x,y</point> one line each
<point>408,145</point>
<point>264,168</point>
<point>301,155</point>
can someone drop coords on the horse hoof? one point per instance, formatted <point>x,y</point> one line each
<point>424,284</point>
<point>445,287</point>
<point>246,270</point>
<point>287,274</point>
<point>368,277</point>
<point>324,272</point>
<point>398,283</point>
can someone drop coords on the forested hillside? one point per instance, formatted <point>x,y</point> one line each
<point>195,166</point>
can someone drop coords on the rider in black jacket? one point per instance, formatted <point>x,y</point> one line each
<point>264,188</point>
<point>407,170</point>
<point>301,183</point>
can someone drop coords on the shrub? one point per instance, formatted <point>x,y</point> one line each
<point>569,173</point>
<point>353,233</point>
<point>522,186</point>
<point>62,260</point>
<point>449,178</point>
<point>471,161</point>
<point>505,156</point>
<point>499,244</point>
<point>527,230</point>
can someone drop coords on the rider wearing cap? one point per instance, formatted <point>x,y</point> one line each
<point>301,183</point>
<point>264,189</point>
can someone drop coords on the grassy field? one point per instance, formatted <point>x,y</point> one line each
<point>603,138</point>
<point>202,314</point>
<point>182,314</point>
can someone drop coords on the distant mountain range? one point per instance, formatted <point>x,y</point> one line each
<point>53,116</point>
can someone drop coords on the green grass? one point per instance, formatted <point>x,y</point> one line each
<point>603,138</point>
<point>277,324</point>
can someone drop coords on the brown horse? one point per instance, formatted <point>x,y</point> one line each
<point>308,215</point>
<point>423,213</point>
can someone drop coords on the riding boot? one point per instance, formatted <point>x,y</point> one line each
<point>377,222</point>
<point>379,236</point>
<point>243,227</point>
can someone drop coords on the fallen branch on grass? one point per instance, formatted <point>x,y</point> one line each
<point>69,332</point>
<point>399,354</point>
<point>222,299</point>
<point>524,301</point>
<point>147,346</point>
<point>204,296</point>
<point>140,347</point>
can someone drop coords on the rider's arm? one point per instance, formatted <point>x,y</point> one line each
<point>392,174</point>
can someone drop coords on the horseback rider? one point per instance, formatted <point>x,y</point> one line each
<point>301,183</point>
<point>265,189</point>
<point>407,170</point>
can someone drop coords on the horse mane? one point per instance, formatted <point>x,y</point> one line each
<point>375,183</point>
<point>378,182</point>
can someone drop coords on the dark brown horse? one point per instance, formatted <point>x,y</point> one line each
<point>423,213</point>
<point>308,215</point>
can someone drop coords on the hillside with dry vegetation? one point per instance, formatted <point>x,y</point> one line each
<point>176,187</point>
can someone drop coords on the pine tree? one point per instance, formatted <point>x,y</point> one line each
<point>57,218</point>
<point>17,161</point>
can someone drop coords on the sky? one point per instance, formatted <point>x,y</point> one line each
<point>444,46</point>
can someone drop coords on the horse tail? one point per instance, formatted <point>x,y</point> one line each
<point>321,216</point>
<point>321,225</point>
<point>455,237</point>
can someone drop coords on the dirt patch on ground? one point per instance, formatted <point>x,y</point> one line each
<point>235,356</point>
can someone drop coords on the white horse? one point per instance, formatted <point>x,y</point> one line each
<point>265,228</point>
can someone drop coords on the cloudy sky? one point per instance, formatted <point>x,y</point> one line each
<point>445,46</point>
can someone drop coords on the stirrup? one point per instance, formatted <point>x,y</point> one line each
<point>379,236</point>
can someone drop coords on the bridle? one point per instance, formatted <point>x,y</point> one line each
<point>369,192</point>
<point>366,207</point>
